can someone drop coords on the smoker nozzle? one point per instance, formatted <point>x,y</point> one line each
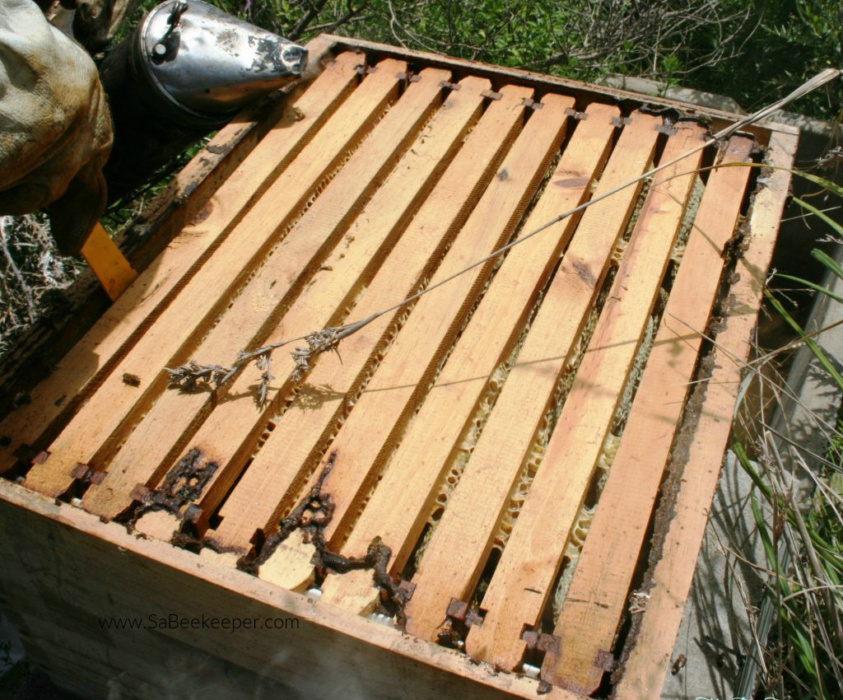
<point>187,69</point>
<point>203,65</point>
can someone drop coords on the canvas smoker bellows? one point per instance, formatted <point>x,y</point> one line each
<point>536,442</point>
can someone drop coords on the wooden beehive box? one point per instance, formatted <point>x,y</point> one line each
<point>536,441</point>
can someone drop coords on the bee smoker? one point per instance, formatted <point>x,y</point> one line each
<point>185,71</point>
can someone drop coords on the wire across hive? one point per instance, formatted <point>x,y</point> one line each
<point>505,435</point>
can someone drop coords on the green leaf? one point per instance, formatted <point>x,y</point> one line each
<point>820,215</point>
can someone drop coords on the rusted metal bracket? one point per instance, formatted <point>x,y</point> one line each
<point>461,612</point>
<point>665,129</point>
<point>605,661</point>
<point>193,513</point>
<point>406,589</point>
<point>541,641</point>
<point>530,103</point>
<point>491,94</point>
<point>450,86</point>
<point>139,492</point>
<point>363,69</point>
<point>621,121</point>
<point>574,114</point>
<point>84,474</point>
<point>29,455</point>
<point>409,77</point>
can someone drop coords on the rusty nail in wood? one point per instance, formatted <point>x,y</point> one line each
<point>192,513</point>
<point>604,660</point>
<point>665,129</point>
<point>541,641</point>
<point>574,114</point>
<point>472,619</point>
<point>407,589</point>
<point>27,454</point>
<point>139,492</point>
<point>530,638</point>
<point>457,610</point>
<point>81,472</point>
<point>491,94</point>
<point>548,643</point>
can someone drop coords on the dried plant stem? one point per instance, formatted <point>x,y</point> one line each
<point>329,338</point>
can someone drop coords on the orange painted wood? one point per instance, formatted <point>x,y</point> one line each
<point>404,498</point>
<point>234,425</point>
<point>115,401</point>
<point>109,265</point>
<point>600,586</point>
<point>90,360</point>
<point>390,396</point>
<point>469,530</point>
<point>646,668</point>
<point>273,477</point>
<point>145,456</point>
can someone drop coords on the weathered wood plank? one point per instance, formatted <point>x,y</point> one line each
<point>63,563</point>
<point>403,500</point>
<point>40,349</point>
<point>598,592</point>
<point>88,362</point>
<point>467,530</point>
<point>391,395</point>
<point>229,266</point>
<point>646,667</point>
<point>523,579</point>
<point>272,477</point>
<point>583,92</point>
<point>156,441</point>
<point>230,431</point>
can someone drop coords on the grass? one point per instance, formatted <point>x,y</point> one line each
<point>802,537</point>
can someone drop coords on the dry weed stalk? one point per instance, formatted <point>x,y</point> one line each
<point>188,376</point>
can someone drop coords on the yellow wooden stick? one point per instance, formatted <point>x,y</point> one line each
<point>109,265</point>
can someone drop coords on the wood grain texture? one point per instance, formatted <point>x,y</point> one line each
<point>646,667</point>
<point>230,432</point>
<point>368,186</point>
<point>65,571</point>
<point>273,477</point>
<point>40,349</point>
<point>599,589</point>
<point>400,507</point>
<point>146,455</point>
<point>550,341</point>
<point>523,580</point>
<point>436,318</point>
<point>229,266</point>
<point>85,366</point>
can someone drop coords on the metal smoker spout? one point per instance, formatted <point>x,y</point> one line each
<point>187,69</point>
<point>209,64</point>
